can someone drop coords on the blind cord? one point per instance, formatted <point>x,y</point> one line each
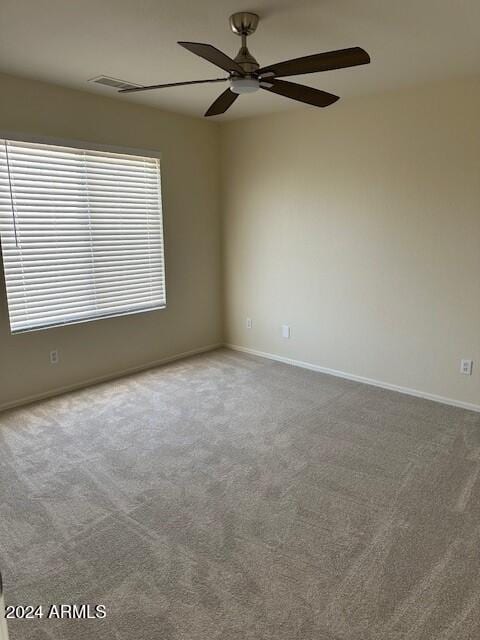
<point>11,196</point>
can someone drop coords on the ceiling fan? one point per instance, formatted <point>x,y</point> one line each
<point>246,75</point>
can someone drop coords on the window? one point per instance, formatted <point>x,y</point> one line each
<point>81,233</point>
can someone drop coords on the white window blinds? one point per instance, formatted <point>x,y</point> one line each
<point>81,234</point>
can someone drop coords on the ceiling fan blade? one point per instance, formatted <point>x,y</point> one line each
<point>170,84</point>
<point>318,62</point>
<point>222,103</point>
<point>213,55</point>
<point>299,92</point>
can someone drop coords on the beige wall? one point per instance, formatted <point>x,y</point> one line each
<point>193,318</point>
<point>359,226</point>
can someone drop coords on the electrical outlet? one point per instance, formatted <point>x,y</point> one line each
<point>249,323</point>
<point>54,356</point>
<point>286,331</point>
<point>466,367</point>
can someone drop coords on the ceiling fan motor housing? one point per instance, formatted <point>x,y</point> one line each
<point>246,61</point>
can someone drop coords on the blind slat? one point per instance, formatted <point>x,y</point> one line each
<point>82,234</point>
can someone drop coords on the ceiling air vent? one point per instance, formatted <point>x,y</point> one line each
<point>115,83</point>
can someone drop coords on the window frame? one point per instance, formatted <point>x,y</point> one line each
<point>15,136</point>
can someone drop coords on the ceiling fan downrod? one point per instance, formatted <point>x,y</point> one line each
<point>243,24</point>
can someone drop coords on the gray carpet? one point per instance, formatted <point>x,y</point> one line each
<point>227,497</point>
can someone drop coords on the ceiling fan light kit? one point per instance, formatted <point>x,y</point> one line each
<point>244,85</point>
<point>246,76</point>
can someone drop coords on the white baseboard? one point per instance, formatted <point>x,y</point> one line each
<point>351,376</point>
<point>105,378</point>
<point>270,356</point>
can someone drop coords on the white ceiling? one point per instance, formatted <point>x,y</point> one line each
<point>69,41</point>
